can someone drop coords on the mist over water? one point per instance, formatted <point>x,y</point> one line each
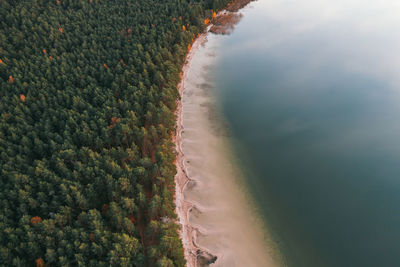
<point>311,91</point>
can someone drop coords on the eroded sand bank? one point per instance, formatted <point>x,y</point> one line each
<point>218,221</point>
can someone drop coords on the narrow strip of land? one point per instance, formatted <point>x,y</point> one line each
<point>219,224</point>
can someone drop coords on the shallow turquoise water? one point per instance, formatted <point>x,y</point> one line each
<point>311,91</point>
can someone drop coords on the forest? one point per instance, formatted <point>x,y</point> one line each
<point>88,90</point>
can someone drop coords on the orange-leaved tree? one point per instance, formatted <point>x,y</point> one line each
<point>36,220</point>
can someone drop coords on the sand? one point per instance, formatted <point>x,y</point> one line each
<point>220,226</point>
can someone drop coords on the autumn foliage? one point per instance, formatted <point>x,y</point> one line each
<point>132,219</point>
<point>39,262</point>
<point>36,220</point>
<point>114,121</point>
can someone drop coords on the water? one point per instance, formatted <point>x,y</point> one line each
<point>222,220</point>
<point>310,89</point>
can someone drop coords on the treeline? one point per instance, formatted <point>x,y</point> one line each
<point>87,94</point>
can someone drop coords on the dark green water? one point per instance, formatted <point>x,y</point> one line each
<point>311,91</point>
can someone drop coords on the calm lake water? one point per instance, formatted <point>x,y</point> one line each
<point>311,91</point>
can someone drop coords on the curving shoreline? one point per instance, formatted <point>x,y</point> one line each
<point>219,225</point>
<point>183,207</point>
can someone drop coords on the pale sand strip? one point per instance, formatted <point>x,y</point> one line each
<point>183,207</point>
<point>215,213</point>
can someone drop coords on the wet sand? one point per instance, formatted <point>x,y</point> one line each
<point>220,226</point>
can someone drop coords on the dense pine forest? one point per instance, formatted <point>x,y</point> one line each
<point>88,90</point>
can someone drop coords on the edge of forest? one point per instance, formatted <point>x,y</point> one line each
<point>194,254</point>
<point>183,206</point>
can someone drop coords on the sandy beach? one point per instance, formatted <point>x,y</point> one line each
<point>219,225</point>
